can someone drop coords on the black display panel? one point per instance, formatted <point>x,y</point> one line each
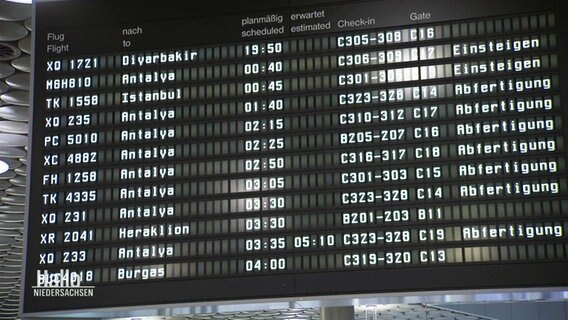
<point>216,151</point>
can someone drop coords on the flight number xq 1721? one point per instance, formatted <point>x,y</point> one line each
<point>73,64</point>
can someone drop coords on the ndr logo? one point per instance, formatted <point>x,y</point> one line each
<point>63,283</point>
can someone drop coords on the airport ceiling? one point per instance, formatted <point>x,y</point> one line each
<point>15,67</point>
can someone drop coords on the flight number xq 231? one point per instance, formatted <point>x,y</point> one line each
<point>68,217</point>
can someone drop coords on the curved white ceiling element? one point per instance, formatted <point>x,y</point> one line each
<point>3,166</point>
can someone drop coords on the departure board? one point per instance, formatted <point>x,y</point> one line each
<point>187,152</point>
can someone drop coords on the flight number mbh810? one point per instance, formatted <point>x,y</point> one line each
<point>68,83</point>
